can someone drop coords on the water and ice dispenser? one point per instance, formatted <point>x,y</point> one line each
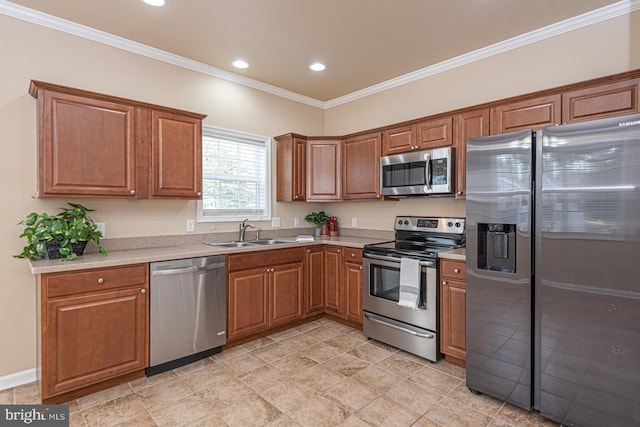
<point>497,247</point>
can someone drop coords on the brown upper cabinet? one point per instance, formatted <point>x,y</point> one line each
<point>434,133</point>
<point>291,168</point>
<point>398,140</point>
<point>361,167</point>
<point>324,169</point>
<point>472,124</point>
<point>607,100</point>
<point>532,114</point>
<point>95,145</point>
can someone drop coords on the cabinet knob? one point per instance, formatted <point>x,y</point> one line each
<point>132,192</point>
<point>353,255</point>
<point>444,283</point>
<point>308,251</point>
<point>337,250</point>
<point>100,280</point>
<point>295,197</point>
<point>455,270</point>
<point>360,267</point>
<point>199,193</point>
<point>143,291</point>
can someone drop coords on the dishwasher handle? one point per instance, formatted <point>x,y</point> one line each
<point>185,270</point>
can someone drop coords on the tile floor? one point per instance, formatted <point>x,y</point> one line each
<point>322,373</point>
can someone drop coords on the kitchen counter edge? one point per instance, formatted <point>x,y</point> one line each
<point>456,254</point>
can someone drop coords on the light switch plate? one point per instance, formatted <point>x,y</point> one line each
<point>354,221</point>
<point>101,227</point>
<point>275,221</point>
<point>296,221</point>
<point>191,225</point>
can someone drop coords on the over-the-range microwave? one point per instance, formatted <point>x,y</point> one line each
<point>418,173</point>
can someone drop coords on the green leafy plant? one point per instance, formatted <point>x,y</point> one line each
<point>66,229</point>
<point>317,218</point>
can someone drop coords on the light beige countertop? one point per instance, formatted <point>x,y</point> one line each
<point>164,253</point>
<point>456,254</point>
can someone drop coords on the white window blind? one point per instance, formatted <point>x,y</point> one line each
<point>235,176</point>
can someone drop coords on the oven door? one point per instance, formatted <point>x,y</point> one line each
<point>381,289</point>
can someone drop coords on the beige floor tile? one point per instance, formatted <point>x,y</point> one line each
<point>198,364</point>
<point>346,364</point>
<point>209,376</point>
<point>183,412</point>
<point>350,394</point>
<point>6,397</point>
<point>298,342</point>
<point>519,417</point>
<point>287,333</point>
<point>435,380</point>
<point>379,380</point>
<point>263,377</point>
<point>400,365</point>
<point>124,410</point>
<point>319,378</point>
<point>272,352</point>
<point>449,413</point>
<point>73,406</point>
<point>354,421</point>
<point>104,396</point>
<point>164,393</point>
<point>306,326</point>
<point>319,412</point>
<point>221,394</point>
<point>258,342</point>
<point>385,412</point>
<point>249,411</point>
<point>289,395</point>
<point>320,352</point>
<point>294,364</point>
<point>323,333</point>
<point>416,358</point>
<point>282,421</point>
<point>387,347</point>
<point>76,420</point>
<point>481,403</point>
<point>370,352</point>
<point>425,422</point>
<point>339,326</point>
<point>144,382</point>
<point>241,363</point>
<point>450,368</point>
<point>230,353</point>
<point>413,397</point>
<point>344,342</point>
<point>27,394</point>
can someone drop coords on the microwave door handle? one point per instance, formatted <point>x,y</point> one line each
<point>427,171</point>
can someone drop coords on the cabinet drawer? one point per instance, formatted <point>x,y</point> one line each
<point>353,255</point>
<point>454,270</point>
<point>266,258</point>
<point>60,284</point>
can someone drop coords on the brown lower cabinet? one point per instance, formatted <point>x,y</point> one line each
<point>453,311</point>
<point>93,330</point>
<point>352,284</point>
<point>264,291</point>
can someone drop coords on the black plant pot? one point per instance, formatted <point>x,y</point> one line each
<point>53,249</point>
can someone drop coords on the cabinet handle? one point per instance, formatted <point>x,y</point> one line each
<point>444,283</point>
<point>455,270</point>
<point>143,291</point>
<point>132,192</point>
<point>100,280</point>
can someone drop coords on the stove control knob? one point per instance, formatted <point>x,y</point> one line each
<point>449,224</point>
<point>399,222</point>
<point>458,225</point>
<point>406,222</point>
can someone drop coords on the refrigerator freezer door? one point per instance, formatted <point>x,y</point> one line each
<point>499,293</point>
<point>588,273</point>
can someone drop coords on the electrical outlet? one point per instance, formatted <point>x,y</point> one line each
<point>275,221</point>
<point>354,221</point>
<point>101,227</point>
<point>296,221</point>
<point>191,225</point>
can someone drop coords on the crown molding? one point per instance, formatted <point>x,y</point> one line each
<point>39,18</point>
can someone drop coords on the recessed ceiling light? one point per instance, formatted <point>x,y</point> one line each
<point>156,3</point>
<point>239,63</point>
<point>317,66</point>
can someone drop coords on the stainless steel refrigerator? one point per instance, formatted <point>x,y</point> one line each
<point>553,270</point>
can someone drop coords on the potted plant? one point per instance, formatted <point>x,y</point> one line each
<point>63,236</point>
<point>318,219</point>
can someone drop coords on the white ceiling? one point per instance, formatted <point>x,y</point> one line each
<point>362,42</point>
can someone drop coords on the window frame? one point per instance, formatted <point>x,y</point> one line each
<point>212,131</point>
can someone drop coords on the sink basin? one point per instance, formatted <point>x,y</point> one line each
<point>230,244</point>
<point>270,242</point>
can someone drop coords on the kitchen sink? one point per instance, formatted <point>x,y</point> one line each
<point>248,243</point>
<point>270,241</point>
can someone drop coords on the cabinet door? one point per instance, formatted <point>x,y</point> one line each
<point>93,337</point>
<point>453,318</point>
<point>291,168</point>
<point>86,147</point>
<point>314,273</point>
<point>607,100</point>
<point>324,174</point>
<point>248,302</point>
<point>529,114</point>
<point>399,140</point>
<point>473,124</point>
<point>176,156</point>
<point>434,133</point>
<point>286,293</point>
<point>332,280</point>
<point>352,284</point>
<point>361,167</point>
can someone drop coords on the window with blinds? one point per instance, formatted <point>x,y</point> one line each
<point>235,176</point>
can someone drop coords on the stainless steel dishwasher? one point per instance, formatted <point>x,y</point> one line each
<point>187,312</point>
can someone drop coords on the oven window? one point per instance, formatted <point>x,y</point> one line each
<point>404,174</point>
<point>385,283</point>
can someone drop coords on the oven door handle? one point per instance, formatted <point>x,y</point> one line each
<point>408,331</point>
<point>397,260</point>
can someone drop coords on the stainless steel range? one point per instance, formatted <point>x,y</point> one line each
<point>386,317</point>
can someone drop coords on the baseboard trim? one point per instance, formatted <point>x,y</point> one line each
<point>18,378</point>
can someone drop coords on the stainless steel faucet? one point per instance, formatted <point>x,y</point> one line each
<point>243,229</point>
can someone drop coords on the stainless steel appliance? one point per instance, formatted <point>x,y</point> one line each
<point>187,311</point>
<point>385,320</point>
<point>553,272</point>
<point>418,173</point>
